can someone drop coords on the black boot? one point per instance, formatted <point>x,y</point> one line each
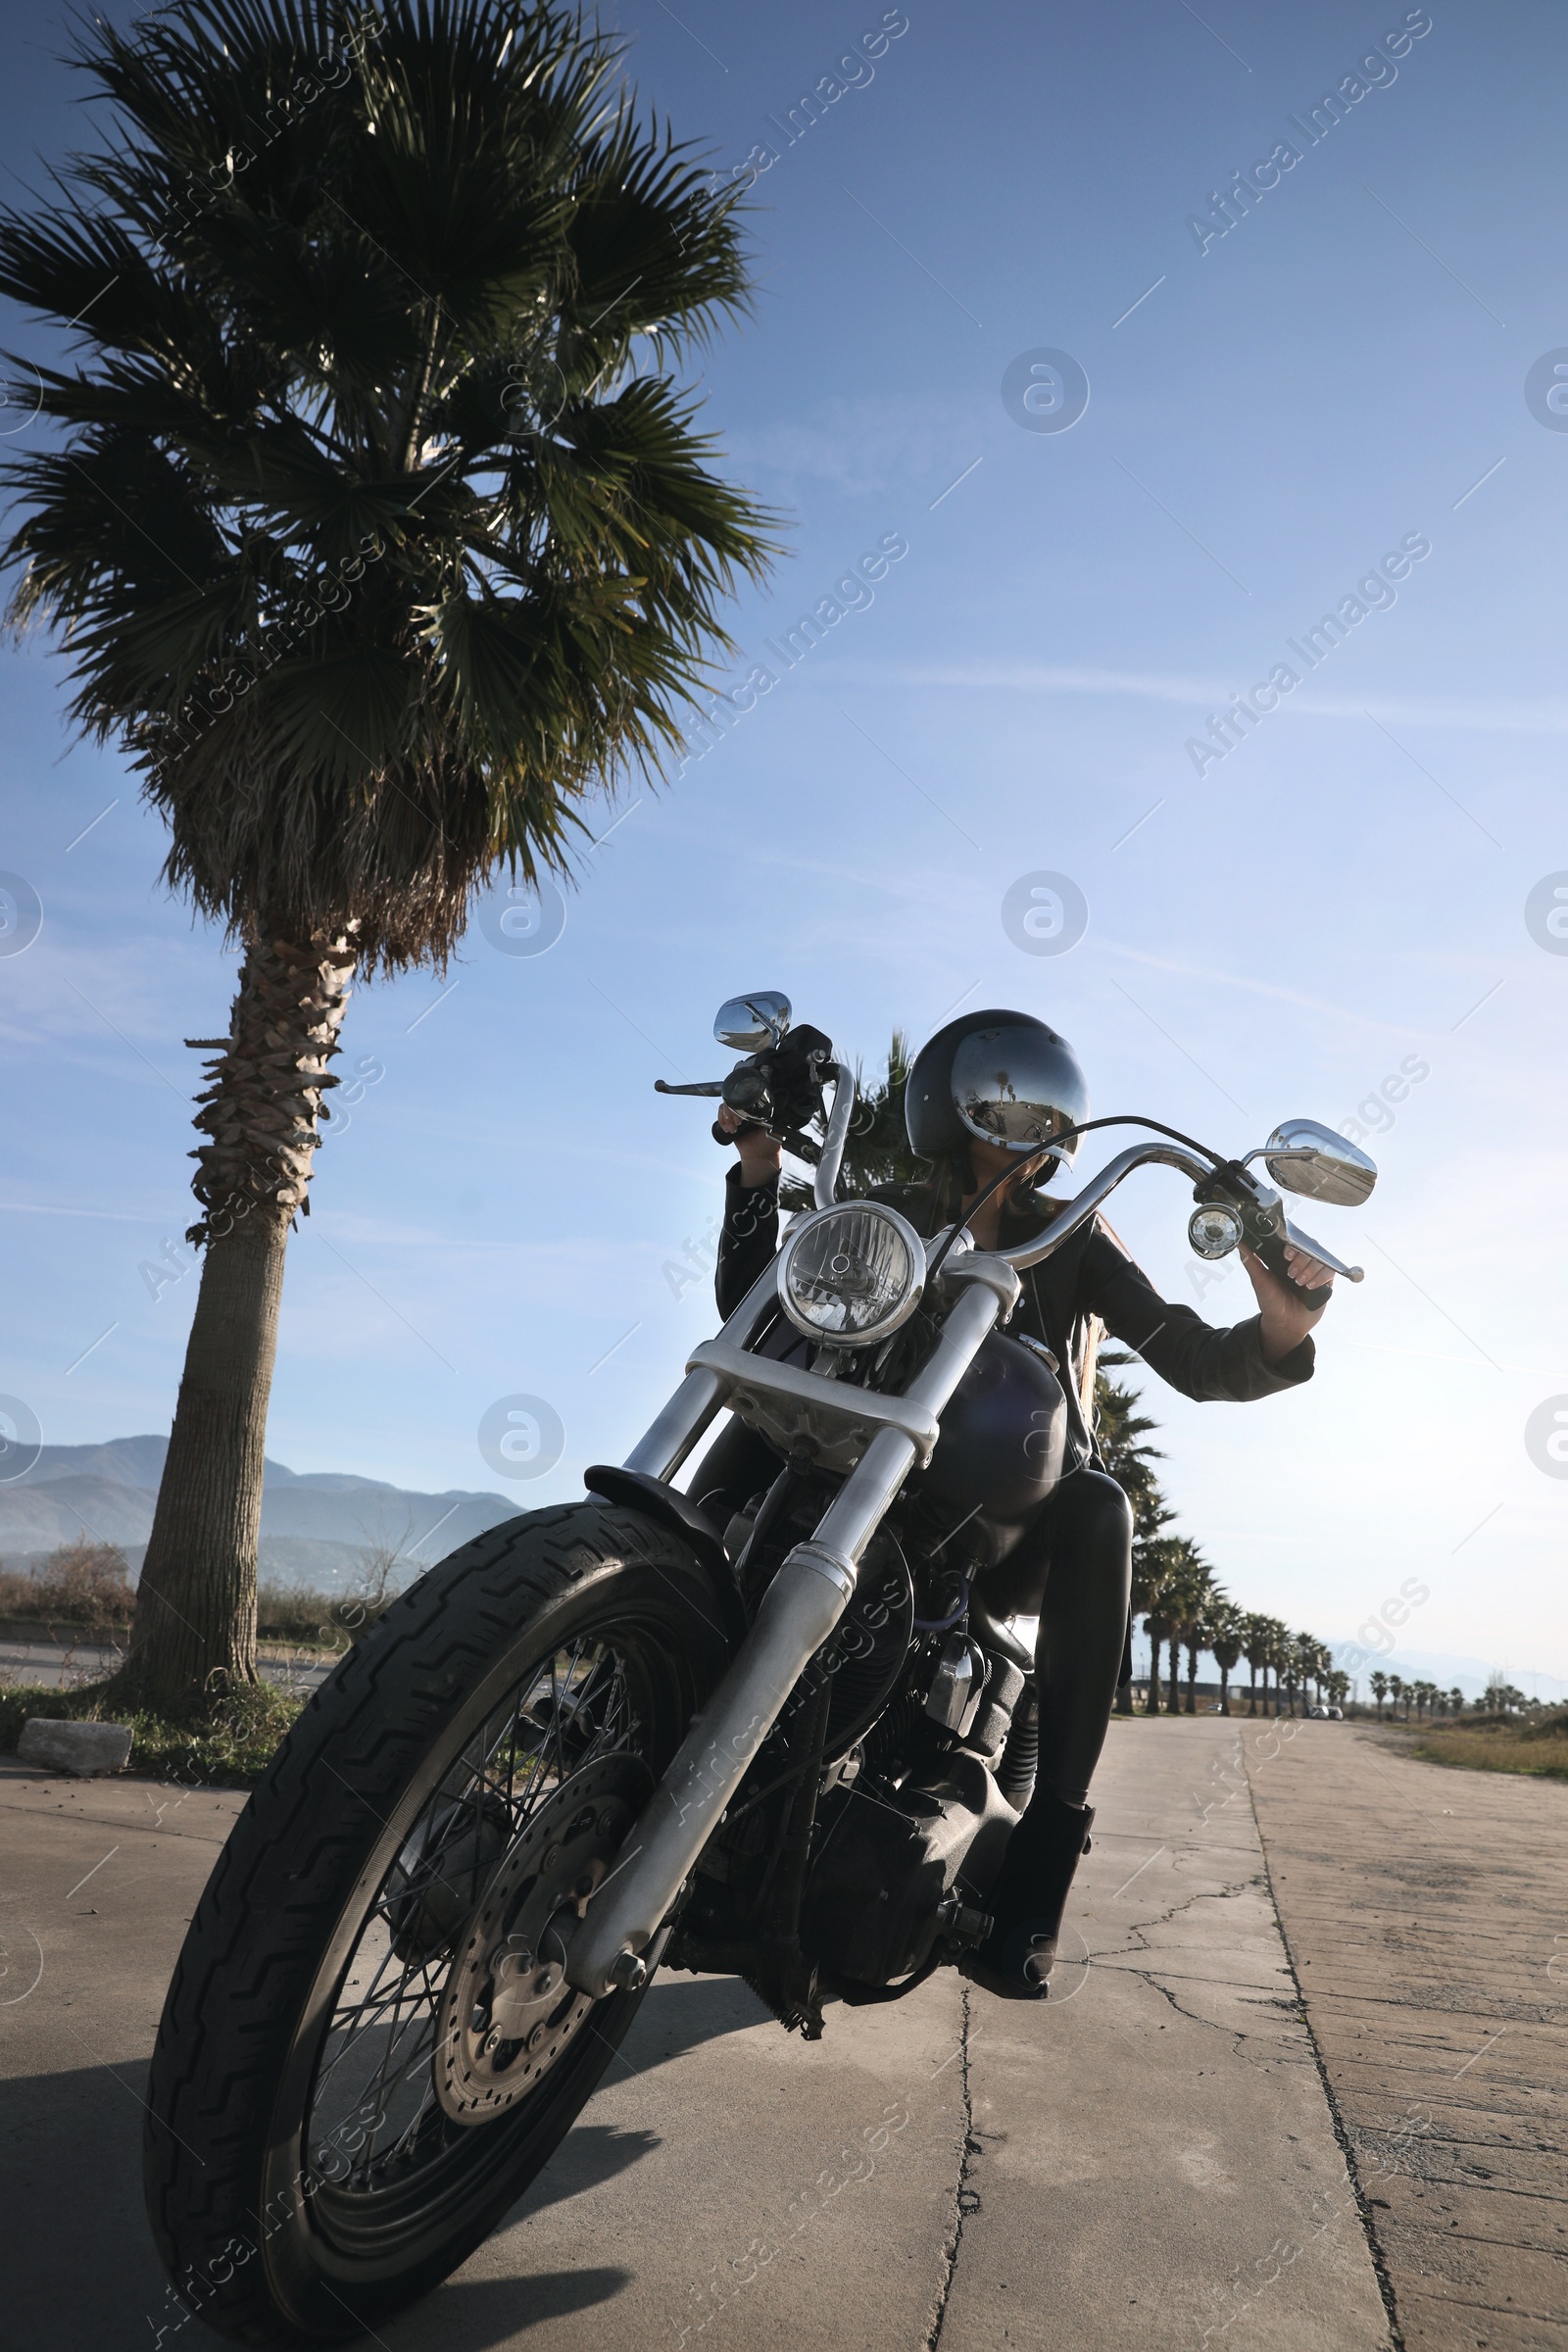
<point>1029,1898</point>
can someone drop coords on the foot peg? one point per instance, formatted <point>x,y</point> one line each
<point>963,1922</point>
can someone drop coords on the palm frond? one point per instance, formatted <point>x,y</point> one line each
<point>367,541</point>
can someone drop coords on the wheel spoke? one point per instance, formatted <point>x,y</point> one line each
<point>510,1767</point>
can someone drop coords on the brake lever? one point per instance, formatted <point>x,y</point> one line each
<point>712,1087</point>
<point>1267,1231</point>
<point>1304,1241</point>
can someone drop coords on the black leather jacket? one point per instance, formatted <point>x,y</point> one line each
<point>1091,1275</point>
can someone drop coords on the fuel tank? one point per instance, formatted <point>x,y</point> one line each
<point>1000,1456</point>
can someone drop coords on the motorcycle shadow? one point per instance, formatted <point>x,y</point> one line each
<point>474,2315</point>
<point>679,2013</point>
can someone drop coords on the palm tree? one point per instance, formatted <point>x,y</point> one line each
<point>1157,1625</point>
<point>1226,1634</point>
<point>1317,1664</point>
<point>1256,1637</point>
<point>1396,1693</point>
<point>1120,1434</point>
<point>1379,1689</point>
<point>1158,1589</point>
<point>1167,1576</point>
<point>1287,1667</point>
<point>877,1149</point>
<point>370,547</point>
<point>1120,1430</point>
<point>1198,1592</point>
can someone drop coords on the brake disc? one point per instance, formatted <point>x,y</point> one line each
<point>508,2012</point>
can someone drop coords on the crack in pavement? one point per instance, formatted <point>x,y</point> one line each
<point>966,2200</point>
<point>1199,1894</point>
<point>1378,2261</point>
<point>1122,1964</point>
<point>1265,2054</point>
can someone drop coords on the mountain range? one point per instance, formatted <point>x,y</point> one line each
<point>317,1525</point>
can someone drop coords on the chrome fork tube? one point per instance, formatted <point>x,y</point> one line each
<point>799,1610</point>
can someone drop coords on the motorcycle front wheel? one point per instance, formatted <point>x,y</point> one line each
<point>368,2048</point>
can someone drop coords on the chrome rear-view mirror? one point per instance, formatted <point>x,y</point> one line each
<point>1305,1157</point>
<point>748,1024</point>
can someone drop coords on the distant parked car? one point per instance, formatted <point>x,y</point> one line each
<point>1328,1714</point>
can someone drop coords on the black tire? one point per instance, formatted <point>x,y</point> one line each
<point>264,2232</point>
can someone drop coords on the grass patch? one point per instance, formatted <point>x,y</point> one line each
<point>1501,1744</point>
<point>227,1746</point>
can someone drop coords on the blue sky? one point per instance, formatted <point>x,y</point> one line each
<point>1338,902</point>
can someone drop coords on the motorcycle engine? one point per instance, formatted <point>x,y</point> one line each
<point>870,1910</point>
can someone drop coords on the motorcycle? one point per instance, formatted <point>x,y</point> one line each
<point>610,1736</point>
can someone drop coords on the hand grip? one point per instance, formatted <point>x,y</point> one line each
<point>1271,1251</point>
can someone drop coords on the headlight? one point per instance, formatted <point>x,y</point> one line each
<point>852,1274</point>
<point>1214,1230</point>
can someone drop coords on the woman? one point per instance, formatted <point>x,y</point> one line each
<point>1075,1566</point>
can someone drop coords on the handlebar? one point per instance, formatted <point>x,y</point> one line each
<point>1265,1228</point>
<point>833,1141</point>
<point>1269,1245</point>
<point>1098,1189</point>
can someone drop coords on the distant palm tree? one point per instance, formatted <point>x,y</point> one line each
<point>1309,1660</point>
<point>1120,1433</point>
<point>1226,1625</point>
<point>1396,1693</point>
<point>1157,1581</point>
<point>1257,1635</point>
<point>1200,1632</point>
<point>1380,1688</point>
<point>1191,1584</point>
<point>372,547</point>
<point>1157,1625</point>
<point>1322,1668</point>
<point>1277,1659</point>
<point>877,1149</point>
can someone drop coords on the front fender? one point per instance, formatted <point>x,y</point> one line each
<point>649,1497</point>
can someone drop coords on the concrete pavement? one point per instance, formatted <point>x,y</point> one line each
<point>1426,1911</point>
<point>1152,2158</point>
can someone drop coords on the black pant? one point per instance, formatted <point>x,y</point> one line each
<point>1075,1567</point>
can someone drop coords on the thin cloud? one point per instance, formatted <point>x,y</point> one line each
<point>1542,715</point>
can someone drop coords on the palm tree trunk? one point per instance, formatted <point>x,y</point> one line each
<point>1224,1690</point>
<point>1175,1677</point>
<point>194,1630</point>
<point>1192,1678</point>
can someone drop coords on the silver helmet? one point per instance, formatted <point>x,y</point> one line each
<point>1002,1077</point>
